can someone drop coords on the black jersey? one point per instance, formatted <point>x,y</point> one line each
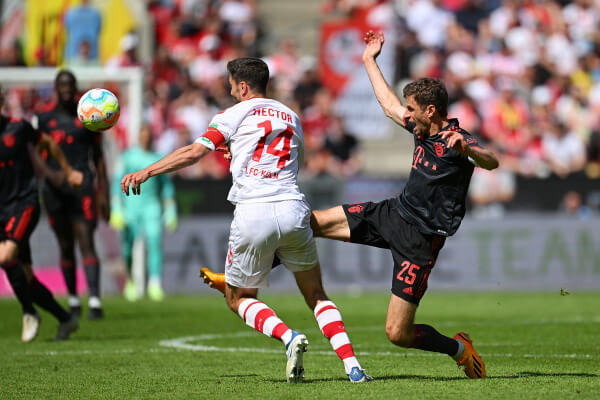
<point>17,179</point>
<point>434,197</point>
<point>74,140</point>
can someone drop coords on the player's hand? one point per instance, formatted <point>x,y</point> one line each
<point>74,178</point>
<point>374,43</point>
<point>226,152</point>
<point>134,179</point>
<point>456,141</point>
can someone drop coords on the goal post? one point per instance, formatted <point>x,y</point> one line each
<point>131,77</point>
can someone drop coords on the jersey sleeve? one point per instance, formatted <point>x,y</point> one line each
<point>221,128</point>
<point>471,140</point>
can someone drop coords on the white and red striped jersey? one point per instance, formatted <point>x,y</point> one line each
<point>267,145</point>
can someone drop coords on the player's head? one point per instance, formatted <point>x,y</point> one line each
<point>145,137</point>
<point>65,85</point>
<point>426,101</point>
<point>248,77</point>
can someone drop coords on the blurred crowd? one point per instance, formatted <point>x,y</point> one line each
<point>524,75</point>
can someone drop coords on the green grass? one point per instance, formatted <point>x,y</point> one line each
<point>543,346</point>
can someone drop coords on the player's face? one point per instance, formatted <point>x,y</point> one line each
<point>421,116</point>
<point>235,89</point>
<point>66,89</point>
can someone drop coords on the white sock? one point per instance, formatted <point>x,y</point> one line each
<point>259,316</point>
<point>94,302</point>
<point>461,350</point>
<point>74,301</point>
<point>331,325</point>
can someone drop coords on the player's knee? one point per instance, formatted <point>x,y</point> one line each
<point>398,336</point>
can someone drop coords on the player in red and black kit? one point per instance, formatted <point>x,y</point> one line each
<point>414,225</point>
<point>19,214</point>
<point>73,213</point>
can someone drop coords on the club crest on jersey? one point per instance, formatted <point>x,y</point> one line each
<point>9,140</point>
<point>439,149</point>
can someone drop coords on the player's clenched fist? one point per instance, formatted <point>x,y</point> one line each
<point>134,179</point>
<point>374,43</point>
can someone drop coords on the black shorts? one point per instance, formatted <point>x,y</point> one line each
<point>414,252</point>
<point>18,223</point>
<point>71,204</point>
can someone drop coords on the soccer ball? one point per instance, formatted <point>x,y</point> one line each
<point>98,110</point>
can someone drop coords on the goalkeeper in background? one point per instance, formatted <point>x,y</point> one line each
<point>143,216</point>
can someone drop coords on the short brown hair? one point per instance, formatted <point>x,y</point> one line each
<point>253,71</point>
<point>429,91</point>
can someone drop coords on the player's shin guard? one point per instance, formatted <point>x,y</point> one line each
<point>42,297</point>
<point>427,338</point>
<point>331,324</point>
<point>67,266</point>
<point>259,316</point>
<point>92,275</point>
<point>18,282</point>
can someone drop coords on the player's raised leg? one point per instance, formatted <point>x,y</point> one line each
<point>262,318</point>
<point>331,224</point>
<point>402,331</point>
<point>330,321</point>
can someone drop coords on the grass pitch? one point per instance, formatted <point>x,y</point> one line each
<point>542,346</point>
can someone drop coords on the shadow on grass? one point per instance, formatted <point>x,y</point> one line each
<point>519,375</point>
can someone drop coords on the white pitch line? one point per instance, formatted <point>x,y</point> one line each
<point>183,344</point>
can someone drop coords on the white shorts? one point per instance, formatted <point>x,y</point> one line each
<point>259,231</point>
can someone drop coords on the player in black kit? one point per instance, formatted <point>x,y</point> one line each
<point>415,224</point>
<point>19,213</point>
<point>73,213</point>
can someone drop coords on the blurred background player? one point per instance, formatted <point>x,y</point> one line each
<point>72,213</point>
<point>143,216</point>
<point>19,214</point>
<point>272,216</point>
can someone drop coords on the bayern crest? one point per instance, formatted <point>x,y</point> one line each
<point>439,149</point>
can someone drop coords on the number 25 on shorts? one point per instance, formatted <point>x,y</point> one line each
<point>408,272</point>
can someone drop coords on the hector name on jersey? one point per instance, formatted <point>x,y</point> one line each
<point>267,146</point>
<point>434,197</point>
<point>17,180</point>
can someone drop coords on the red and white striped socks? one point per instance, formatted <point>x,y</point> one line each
<point>331,324</point>
<point>259,316</point>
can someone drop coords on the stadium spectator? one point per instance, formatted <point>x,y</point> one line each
<point>564,151</point>
<point>82,23</point>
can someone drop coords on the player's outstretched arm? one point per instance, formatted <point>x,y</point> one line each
<point>386,96</point>
<point>180,158</point>
<point>483,158</point>
<point>74,178</point>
